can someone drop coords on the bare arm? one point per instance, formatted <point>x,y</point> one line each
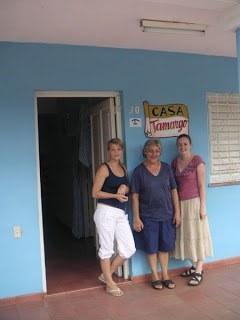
<point>123,188</point>
<point>176,217</point>
<point>202,191</point>
<point>137,223</point>
<point>101,175</point>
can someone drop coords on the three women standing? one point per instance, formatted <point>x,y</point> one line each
<point>156,212</point>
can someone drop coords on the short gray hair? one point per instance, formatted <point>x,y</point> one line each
<point>152,142</point>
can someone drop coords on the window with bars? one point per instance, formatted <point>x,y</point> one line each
<point>224,138</point>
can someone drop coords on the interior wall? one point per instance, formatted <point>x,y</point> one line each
<point>56,151</point>
<point>140,75</point>
<point>60,145</point>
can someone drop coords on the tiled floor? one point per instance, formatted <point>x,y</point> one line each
<point>218,297</point>
<point>71,264</point>
<point>75,293</point>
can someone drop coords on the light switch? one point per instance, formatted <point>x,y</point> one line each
<point>17,232</point>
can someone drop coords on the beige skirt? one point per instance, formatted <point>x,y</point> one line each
<point>193,240</point>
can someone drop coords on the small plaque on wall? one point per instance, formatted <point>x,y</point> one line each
<point>135,122</point>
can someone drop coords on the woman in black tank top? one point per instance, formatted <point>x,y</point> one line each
<point>111,189</point>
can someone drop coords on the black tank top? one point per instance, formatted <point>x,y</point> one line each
<point>111,185</point>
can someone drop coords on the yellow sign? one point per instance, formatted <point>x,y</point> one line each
<point>168,120</point>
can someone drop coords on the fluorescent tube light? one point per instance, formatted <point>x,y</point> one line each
<point>172,27</point>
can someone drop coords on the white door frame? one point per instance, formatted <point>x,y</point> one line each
<point>57,94</point>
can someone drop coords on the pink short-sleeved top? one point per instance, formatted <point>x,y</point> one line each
<point>187,179</point>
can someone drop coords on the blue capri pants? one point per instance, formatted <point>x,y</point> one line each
<point>156,236</point>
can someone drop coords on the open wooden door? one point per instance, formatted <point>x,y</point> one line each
<point>105,121</point>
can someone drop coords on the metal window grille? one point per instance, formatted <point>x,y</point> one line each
<point>224,137</point>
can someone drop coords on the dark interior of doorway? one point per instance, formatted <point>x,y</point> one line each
<point>71,262</point>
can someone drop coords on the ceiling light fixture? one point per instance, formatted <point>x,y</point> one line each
<point>172,27</point>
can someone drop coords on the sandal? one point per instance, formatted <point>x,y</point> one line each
<point>197,278</point>
<point>189,272</point>
<point>102,279</point>
<point>157,284</point>
<point>168,283</point>
<point>114,292</point>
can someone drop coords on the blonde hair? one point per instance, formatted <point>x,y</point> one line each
<point>116,141</point>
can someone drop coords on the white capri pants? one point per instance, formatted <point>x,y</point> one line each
<point>112,223</point>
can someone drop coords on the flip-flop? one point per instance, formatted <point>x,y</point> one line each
<point>102,279</point>
<point>157,283</point>
<point>114,292</point>
<point>167,283</point>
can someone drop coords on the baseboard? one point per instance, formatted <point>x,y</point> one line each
<point>21,299</point>
<point>137,279</point>
<point>176,272</point>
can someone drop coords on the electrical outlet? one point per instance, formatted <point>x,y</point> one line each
<point>17,232</point>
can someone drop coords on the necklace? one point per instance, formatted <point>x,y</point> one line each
<point>187,159</point>
<point>184,162</point>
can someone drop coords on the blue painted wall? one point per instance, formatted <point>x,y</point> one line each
<point>159,77</point>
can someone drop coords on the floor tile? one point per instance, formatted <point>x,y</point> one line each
<point>9,313</point>
<point>75,293</point>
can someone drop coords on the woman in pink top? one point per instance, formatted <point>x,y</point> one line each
<point>193,240</point>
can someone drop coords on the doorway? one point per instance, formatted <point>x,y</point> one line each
<point>66,173</point>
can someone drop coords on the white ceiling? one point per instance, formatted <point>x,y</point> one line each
<point>115,23</point>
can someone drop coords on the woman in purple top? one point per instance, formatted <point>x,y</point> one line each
<point>193,240</point>
<point>156,211</point>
